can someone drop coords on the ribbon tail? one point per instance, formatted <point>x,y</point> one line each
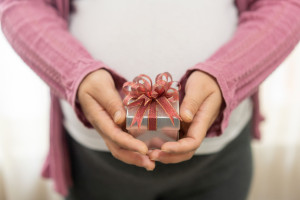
<point>168,108</point>
<point>127,99</point>
<point>152,121</point>
<point>138,117</point>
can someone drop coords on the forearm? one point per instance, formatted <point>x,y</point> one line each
<point>41,38</point>
<point>267,32</point>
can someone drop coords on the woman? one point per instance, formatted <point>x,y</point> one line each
<point>216,94</point>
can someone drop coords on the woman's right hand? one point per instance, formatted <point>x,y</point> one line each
<point>103,108</point>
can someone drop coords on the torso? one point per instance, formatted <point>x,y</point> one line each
<point>150,37</point>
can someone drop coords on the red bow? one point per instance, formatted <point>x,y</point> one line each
<point>145,95</point>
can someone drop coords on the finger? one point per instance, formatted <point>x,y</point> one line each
<point>191,102</point>
<point>131,157</point>
<point>111,101</point>
<point>102,122</point>
<point>104,91</point>
<point>198,128</point>
<point>184,145</point>
<point>166,158</point>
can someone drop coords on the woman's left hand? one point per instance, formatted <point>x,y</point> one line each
<point>200,107</point>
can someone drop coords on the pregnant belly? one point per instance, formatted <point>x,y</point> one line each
<point>153,36</point>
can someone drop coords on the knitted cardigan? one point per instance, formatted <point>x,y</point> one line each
<point>267,32</point>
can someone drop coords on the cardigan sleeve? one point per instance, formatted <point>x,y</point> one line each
<point>40,36</point>
<point>267,32</point>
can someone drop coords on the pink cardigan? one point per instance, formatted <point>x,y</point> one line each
<point>267,32</point>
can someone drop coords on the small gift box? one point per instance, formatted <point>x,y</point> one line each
<point>152,110</point>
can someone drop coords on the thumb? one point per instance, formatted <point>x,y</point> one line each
<point>109,98</point>
<point>191,103</point>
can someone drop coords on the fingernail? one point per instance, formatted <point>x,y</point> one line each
<point>143,151</point>
<point>149,168</point>
<point>166,151</point>
<point>117,116</point>
<point>153,159</point>
<point>189,114</point>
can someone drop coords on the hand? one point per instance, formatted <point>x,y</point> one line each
<point>103,108</point>
<point>200,107</point>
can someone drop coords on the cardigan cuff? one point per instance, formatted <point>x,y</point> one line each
<point>222,120</point>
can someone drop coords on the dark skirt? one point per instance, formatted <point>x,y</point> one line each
<point>223,175</point>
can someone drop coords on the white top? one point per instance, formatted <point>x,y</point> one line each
<point>150,37</point>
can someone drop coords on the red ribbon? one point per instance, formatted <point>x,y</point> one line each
<point>142,93</point>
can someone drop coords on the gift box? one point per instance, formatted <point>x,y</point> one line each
<point>152,111</point>
<point>165,130</point>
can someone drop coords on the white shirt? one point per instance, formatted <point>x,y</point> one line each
<point>150,37</point>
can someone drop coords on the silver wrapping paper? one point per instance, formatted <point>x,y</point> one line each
<point>165,131</point>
